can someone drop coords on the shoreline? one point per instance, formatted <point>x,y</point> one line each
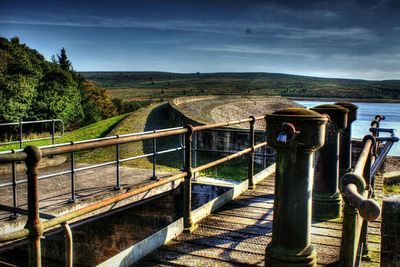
<point>360,100</point>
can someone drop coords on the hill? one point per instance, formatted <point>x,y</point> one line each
<point>164,84</point>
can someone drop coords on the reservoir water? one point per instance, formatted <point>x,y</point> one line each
<point>366,113</point>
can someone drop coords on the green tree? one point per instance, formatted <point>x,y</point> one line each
<point>64,61</point>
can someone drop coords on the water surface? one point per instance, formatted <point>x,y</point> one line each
<point>366,113</point>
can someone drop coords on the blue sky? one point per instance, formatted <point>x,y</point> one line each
<point>326,38</point>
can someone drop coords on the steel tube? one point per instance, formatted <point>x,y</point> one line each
<point>250,167</point>
<point>118,171</point>
<point>33,223</point>
<point>72,199</point>
<point>362,159</point>
<point>69,252</point>
<point>188,224</point>
<point>14,187</point>
<point>49,151</point>
<point>53,129</point>
<point>368,208</point>
<point>220,124</point>
<point>154,159</point>
<point>20,135</point>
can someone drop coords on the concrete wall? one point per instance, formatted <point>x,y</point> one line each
<point>221,139</point>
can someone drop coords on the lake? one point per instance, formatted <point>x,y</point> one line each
<point>366,113</point>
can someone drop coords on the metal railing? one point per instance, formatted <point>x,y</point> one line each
<point>32,156</point>
<point>357,188</point>
<point>21,139</point>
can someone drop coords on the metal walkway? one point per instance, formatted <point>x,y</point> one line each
<point>238,234</point>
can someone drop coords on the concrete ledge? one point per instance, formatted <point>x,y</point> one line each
<point>146,246</point>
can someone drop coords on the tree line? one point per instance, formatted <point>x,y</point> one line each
<point>33,88</point>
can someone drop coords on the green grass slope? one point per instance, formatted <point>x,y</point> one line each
<point>95,130</point>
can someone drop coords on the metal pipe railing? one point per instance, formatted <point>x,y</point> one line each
<point>357,188</point>
<point>32,156</point>
<point>20,124</point>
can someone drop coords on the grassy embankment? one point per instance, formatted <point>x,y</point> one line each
<point>98,129</point>
<point>155,116</point>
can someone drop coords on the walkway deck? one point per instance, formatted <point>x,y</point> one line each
<point>238,234</point>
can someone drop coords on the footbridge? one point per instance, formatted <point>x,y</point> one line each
<point>315,206</point>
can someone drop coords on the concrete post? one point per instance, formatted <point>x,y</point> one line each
<point>295,133</point>
<point>345,139</point>
<point>33,223</point>
<point>390,232</point>
<point>326,196</point>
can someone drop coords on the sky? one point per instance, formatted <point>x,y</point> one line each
<point>324,38</point>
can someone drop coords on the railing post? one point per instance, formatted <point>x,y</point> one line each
<point>154,176</point>
<point>352,222</point>
<point>73,198</point>
<point>295,133</point>
<point>369,188</point>
<point>33,223</point>
<point>250,168</point>
<point>53,129</point>
<point>345,149</point>
<point>195,153</point>
<point>188,224</point>
<point>118,167</point>
<point>326,196</point>
<point>14,187</point>
<point>69,250</point>
<point>20,135</point>
<point>183,151</point>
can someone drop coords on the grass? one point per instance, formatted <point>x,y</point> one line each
<point>391,189</point>
<point>95,130</point>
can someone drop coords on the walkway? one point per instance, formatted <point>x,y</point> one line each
<point>238,233</point>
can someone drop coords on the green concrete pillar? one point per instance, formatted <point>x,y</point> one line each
<point>295,133</point>
<point>326,196</point>
<point>345,139</point>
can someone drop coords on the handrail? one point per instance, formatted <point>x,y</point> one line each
<point>357,187</point>
<point>32,156</point>
<point>20,131</point>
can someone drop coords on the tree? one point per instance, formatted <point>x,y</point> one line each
<point>97,105</point>
<point>64,61</point>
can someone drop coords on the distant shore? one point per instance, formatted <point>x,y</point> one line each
<point>329,99</point>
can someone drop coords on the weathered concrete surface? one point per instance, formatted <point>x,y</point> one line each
<point>91,186</point>
<point>390,251</point>
<point>238,233</point>
<point>210,109</point>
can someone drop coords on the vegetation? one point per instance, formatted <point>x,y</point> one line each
<point>95,130</point>
<point>32,88</point>
<point>391,189</point>
<point>136,85</point>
